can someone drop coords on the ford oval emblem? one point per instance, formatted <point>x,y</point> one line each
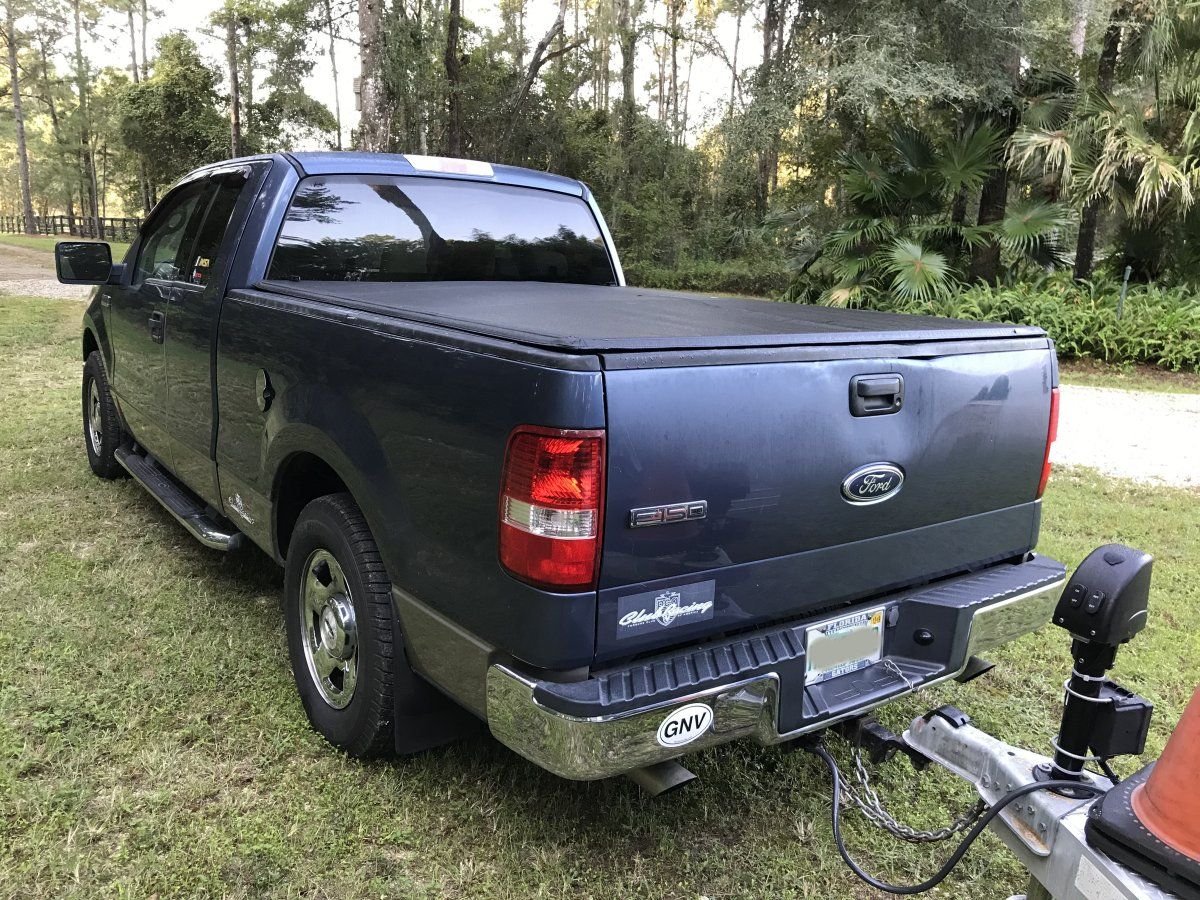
<point>873,483</point>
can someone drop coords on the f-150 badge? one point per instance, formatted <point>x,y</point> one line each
<point>872,483</point>
<point>688,511</point>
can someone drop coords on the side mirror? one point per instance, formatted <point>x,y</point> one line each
<point>83,262</point>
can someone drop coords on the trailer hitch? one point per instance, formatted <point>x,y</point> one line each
<point>1038,805</point>
<point>879,742</point>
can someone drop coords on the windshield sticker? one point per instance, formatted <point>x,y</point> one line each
<point>655,610</point>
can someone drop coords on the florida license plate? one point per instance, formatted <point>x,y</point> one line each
<point>843,645</point>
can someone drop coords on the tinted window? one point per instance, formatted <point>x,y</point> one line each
<point>203,257</point>
<point>169,235</point>
<point>388,228</point>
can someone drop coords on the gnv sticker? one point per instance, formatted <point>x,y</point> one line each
<point>685,725</point>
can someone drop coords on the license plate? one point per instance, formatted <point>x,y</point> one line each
<point>843,645</point>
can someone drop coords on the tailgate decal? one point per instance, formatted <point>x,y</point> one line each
<point>680,605</point>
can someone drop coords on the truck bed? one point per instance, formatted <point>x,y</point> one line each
<point>593,319</point>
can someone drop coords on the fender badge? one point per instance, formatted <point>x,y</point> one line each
<point>687,511</point>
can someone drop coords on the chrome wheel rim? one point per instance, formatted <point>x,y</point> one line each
<point>328,629</point>
<point>95,422</point>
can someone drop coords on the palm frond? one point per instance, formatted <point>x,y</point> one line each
<point>977,235</point>
<point>916,272</point>
<point>1127,150</point>
<point>858,232</point>
<point>1051,152</point>
<point>1028,225</point>
<point>850,293</point>
<point>866,180</point>
<point>967,160</point>
<point>914,148</point>
<point>1156,42</point>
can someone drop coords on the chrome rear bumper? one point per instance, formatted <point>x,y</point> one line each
<point>590,747</point>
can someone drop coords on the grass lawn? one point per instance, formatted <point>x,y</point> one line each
<point>1134,378</point>
<point>151,742</point>
<point>46,243</point>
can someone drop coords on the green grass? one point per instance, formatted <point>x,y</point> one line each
<point>46,243</point>
<point>151,742</point>
<point>1134,378</point>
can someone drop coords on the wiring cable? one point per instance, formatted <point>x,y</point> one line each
<point>992,811</point>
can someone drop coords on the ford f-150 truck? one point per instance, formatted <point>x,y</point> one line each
<point>616,525</point>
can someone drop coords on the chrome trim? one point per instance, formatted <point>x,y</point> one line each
<point>202,530</point>
<point>1003,622</point>
<point>584,749</point>
<point>328,628</point>
<point>609,244</point>
<point>444,652</point>
<point>869,468</point>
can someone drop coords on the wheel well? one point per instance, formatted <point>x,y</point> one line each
<point>303,478</point>
<point>89,344</point>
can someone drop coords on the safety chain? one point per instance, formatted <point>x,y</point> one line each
<point>869,804</point>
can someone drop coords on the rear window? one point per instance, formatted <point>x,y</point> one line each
<point>393,228</point>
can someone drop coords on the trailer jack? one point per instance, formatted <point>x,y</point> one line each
<point>1081,834</point>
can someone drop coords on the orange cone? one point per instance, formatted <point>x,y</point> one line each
<point>1168,804</point>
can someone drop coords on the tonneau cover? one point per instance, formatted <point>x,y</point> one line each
<point>587,318</point>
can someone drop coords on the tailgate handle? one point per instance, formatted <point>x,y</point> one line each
<point>876,395</point>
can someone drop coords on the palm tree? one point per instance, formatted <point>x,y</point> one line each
<point>907,229</point>
<point>1137,152</point>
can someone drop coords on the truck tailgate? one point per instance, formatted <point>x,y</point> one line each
<point>768,446</point>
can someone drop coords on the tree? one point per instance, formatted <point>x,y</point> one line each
<point>374,123</point>
<point>898,237</point>
<point>179,98</point>
<point>1135,153</point>
<point>259,35</point>
<point>454,126</point>
<point>628,13</point>
<point>330,31</point>
<point>82,17</point>
<point>14,74</point>
<point>235,93</point>
<point>1106,67</point>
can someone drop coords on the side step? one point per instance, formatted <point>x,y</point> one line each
<point>185,506</point>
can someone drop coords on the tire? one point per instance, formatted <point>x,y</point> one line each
<point>338,601</point>
<point>102,433</point>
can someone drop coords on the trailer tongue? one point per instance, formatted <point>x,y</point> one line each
<point>1081,835</point>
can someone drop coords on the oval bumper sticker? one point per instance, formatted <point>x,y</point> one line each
<point>685,724</point>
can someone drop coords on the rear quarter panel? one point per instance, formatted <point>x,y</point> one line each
<point>417,429</point>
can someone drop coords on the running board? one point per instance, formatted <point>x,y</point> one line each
<point>185,506</point>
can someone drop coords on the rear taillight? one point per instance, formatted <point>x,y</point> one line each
<point>1051,434</point>
<point>551,506</point>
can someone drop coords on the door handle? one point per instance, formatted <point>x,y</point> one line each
<point>876,395</point>
<point>158,323</point>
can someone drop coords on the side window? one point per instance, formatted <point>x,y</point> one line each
<point>169,236</point>
<point>202,260</point>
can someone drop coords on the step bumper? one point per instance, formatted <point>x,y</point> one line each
<point>753,686</point>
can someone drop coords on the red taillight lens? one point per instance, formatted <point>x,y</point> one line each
<point>1051,434</point>
<point>551,506</point>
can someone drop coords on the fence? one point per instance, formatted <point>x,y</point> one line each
<point>104,228</point>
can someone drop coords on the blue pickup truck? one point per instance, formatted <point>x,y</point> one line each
<point>617,525</point>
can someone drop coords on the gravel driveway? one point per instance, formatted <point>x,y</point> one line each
<point>1143,435</point>
<point>30,273</point>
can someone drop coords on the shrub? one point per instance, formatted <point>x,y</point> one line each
<point>1159,326</point>
<point>755,279</point>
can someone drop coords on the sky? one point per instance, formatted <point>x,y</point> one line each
<point>710,76</point>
